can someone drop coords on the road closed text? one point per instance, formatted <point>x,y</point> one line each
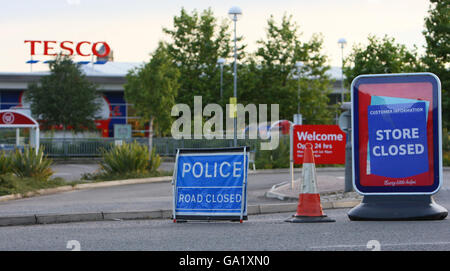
<point>210,198</point>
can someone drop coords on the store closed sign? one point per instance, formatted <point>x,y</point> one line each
<point>397,133</point>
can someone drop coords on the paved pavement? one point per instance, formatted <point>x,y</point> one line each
<point>134,197</point>
<point>71,171</point>
<point>147,197</point>
<point>156,198</point>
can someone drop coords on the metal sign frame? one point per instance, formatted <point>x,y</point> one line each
<point>202,215</point>
<point>436,111</point>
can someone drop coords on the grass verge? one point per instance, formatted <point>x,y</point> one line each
<point>103,176</point>
<point>11,184</point>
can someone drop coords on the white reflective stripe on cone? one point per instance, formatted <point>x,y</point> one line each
<point>309,179</point>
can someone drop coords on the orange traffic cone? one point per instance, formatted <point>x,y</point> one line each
<point>309,208</point>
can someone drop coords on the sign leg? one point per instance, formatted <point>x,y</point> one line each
<point>398,207</point>
<point>292,175</point>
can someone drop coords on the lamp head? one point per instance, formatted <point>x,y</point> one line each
<point>342,42</point>
<point>235,13</point>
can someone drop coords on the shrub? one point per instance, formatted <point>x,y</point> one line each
<point>446,147</point>
<point>155,161</point>
<point>129,159</point>
<point>5,163</point>
<point>29,164</point>
<point>278,158</point>
<point>8,183</point>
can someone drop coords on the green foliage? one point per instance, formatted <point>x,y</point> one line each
<point>11,184</point>
<point>271,75</point>
<point>29,164</point>
<point>5,163</point>
<point>445,139</point>
<point>264,77</point>
<point>129,159</point>
<point>437,29</point>
<point>25,172</point>
<point>446,147</point>
<point>197,41</point>
<point>152,89</point>
<point>278,158</point>
<point>65,97</point>
<point>380,56</point>
<point>155,161</point>
<point>436,59</point>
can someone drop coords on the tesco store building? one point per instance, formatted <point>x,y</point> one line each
<point>107,74</point>
<point>110,79</point>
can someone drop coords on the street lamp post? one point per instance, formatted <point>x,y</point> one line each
<point>298,116</point>
<point>298,65</point>
<point>221,62</point>
<point>235,13</point>
<point>342,42</point>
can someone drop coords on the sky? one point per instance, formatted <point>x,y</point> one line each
<point>133,27</point>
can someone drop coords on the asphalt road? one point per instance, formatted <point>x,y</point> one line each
<point>135,197</point>
<point>73,172</point>
<point>261,232</point>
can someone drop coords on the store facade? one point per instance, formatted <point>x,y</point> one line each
<point>110,79</point>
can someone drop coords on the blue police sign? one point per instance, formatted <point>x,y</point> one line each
<point>210,184</point>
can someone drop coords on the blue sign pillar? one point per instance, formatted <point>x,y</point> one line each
<point>210,184</point>
<point>397,146</point>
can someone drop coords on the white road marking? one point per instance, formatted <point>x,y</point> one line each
<point>384,245</point>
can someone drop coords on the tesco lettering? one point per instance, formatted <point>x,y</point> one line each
<point>82,48</point>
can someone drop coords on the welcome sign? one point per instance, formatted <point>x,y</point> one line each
<point>328,143</point>
<point>211,184</point>
<point>397,134</point>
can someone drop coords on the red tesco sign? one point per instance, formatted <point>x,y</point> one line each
<point>82,48</point>
<point>10,118</point>
<point>328,143</point>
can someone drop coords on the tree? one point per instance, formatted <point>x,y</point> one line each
<point>271,74</point>
<point>197,41</point>
<point>152,89</point>
<point>65,97</point>
<point>380,56</point>
<point>436,59</point>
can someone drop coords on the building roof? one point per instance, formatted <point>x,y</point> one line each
<point>119,69</point>
<point>122,68</point>
<point>111,75</point>
<point>109,68</point>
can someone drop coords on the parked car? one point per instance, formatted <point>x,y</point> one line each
<point>264,130</point>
